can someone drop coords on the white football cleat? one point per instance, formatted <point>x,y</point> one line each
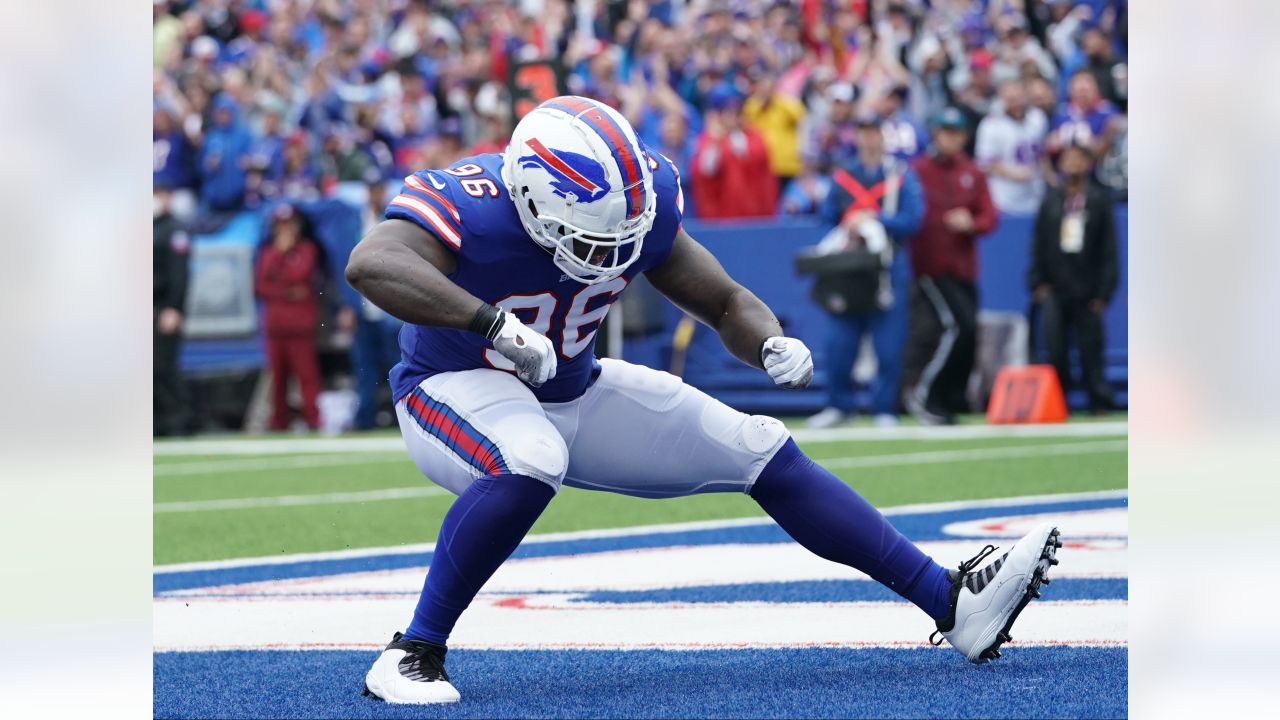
<point>984,603</point>
<point>410,672</point>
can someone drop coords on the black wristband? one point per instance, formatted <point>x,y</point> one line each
<point>487,321</point>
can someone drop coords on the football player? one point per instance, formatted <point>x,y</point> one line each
<point>502,267</point>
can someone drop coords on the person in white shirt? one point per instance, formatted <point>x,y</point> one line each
<point>1009,145</point>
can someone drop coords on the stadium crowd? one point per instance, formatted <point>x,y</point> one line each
<point>757,102</point>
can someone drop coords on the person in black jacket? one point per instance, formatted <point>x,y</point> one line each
<point>1074,270</point>
<point>170,252</point>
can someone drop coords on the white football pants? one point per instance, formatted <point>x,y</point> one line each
<point>636,431</point>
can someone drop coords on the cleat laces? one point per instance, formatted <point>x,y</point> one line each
<point>965,569</point>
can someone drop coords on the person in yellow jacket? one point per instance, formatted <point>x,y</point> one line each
<point>777,118</point>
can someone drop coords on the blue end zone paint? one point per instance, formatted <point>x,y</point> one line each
<point>919,527</point>
<point>812,591</point>
<point>1030,682</point>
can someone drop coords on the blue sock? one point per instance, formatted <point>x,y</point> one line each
<point>834,522</point>
<point>480,531</point>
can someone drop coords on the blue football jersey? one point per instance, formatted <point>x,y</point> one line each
<point>467,208</point>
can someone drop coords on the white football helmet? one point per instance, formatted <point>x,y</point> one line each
<point>582,185</point>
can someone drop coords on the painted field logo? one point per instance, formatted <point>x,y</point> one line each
<point>726,584</point>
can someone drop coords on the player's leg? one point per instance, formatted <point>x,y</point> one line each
<point>306,367</point>
<point>680,441</point>
<point>479,434</point>
<point>889,336</point>
<point>366,359</point>
<point>1053,320</point>
<point>927,345</point>
<point>278,362</point>
<point>1090,339</point>
<point>643,432</point>
<point>844,339</point>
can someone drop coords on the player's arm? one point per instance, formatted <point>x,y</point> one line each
<point>695,281</point>
<point>404,270</point>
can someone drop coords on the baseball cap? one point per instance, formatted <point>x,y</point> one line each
<point>950,119</point>
<point>841,92</point>
<point>721,98</point>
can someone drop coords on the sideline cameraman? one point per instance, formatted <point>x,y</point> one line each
<point>876,203</point>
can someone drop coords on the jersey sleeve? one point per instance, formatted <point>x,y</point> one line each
<point>668,176</point>
<point>670,208</point>
<point>427,200</point>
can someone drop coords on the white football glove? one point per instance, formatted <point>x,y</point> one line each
<point>787,361</point>
<point>532,352</point>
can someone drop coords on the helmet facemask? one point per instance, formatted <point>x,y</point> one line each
<point>587,255</point>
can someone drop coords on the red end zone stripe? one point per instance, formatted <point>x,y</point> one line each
<point>555,162</point>
<point>421,187</point>
<point>454,433</point>
<point>630,163</point>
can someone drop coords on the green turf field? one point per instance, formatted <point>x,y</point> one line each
<point>218,505</point>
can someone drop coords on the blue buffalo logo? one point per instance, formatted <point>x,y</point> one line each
<point>571,173</point>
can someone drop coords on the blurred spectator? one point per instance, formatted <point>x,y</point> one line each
<point>944,297</point>
<point>170,257</point>
<point>173,162</point>
<point>286,282</point>
<point>731,173</point>
<point>876,201</point>
<point>974,93</point>
<point>224,158</point>
<point>1085,119</point>
<point>375,347</point>
<point>777,118</point>
<point>1020,55</point>
<point>1111,75</point>
<point>834,142</point>
<point>299,179</point>
<point>341,161</point>
<point>904,139</point>
<point>1010,143</point>
<point>807,193</point>
<point>1074,271</point>
<point>1042,96</point>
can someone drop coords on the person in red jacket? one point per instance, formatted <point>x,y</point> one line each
<point>942,340</point>
<point>731,174</point>
<point>285,280</point>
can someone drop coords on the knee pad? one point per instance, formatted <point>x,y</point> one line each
<point>762,434</point>
<point>540,454</point>
<point>754,434</point>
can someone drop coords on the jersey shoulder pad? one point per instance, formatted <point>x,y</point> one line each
<point>454,203</point>
<point>428,199</point>
<point>669,212</point>
<point>666,183</point>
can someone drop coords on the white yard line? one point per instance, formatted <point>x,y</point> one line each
<point>295,446</point>
<point>974,454</point>
<point>913,509</point>
<point>298,500</point>
<point>215,467</point>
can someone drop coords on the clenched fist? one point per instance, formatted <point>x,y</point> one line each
<point>787,361</point>
<point>532,352</point>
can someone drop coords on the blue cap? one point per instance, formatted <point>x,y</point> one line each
<point>721,98</point>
